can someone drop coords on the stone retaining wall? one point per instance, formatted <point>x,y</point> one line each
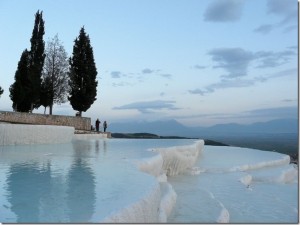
<point>79,123</point>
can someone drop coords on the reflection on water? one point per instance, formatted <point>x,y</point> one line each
<point>97,146</point>
<point>82,149</point>
<point>38,193</point>
<point>82,181</point>
<point>104,146</point>
<point>81,185</point>
<point>81,196</point>
<point>28,185</point>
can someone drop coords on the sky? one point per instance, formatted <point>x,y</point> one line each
<point>200,62</point>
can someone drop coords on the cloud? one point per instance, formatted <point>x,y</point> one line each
<point>279,112</point>
<point>284,73</point>
<point>162,94</point>
<point>147,71</point>
<point>290,28</point>
<point>289,100</point>
<point>224,11</point>
<point>273,59</point>
<point>234,60</point>
<point>135,77</point>
<point>264,29</point>
<point>265,114</point>
<point>294,47</point>
<point>168,76</point>
<point>148,107</point>
<point>238,82</point>
<point>226,83</point>
<point>152,71</point>
<point>237,60</point>
<point>198,91</point>
<point>116,74</point>
<point>121,84</point>
<point>198,67</point>
<point>287,10</point>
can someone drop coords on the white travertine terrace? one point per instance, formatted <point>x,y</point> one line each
<point>20,134</point>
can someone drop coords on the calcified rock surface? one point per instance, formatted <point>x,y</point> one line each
<point>19,134</point>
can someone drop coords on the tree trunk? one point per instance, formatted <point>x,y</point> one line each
<point>50,109</point>
<point>31,108</point>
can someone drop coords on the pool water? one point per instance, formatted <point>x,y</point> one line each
<point>98,180</point>
<point>250,186</point>
<point>82,181</point>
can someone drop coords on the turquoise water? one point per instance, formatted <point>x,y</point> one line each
<point>82,181</point>
<point>86,181</point>
<point>270,196</point>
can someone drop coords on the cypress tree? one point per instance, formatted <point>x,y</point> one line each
<point>19,90</point>
<point>37,57</point>
<point>82,75</point>
<point>26,90</point>
<point>1,91</point>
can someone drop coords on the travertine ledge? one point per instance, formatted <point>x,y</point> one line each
<point>20,134</point>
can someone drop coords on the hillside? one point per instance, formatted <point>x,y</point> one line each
<point>154,136</point>
<point>275,135</point>
<point>174,128</point>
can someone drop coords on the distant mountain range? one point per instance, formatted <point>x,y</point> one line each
<point>172,127</point>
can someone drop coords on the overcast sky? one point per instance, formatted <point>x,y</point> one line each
<point>201,62</point>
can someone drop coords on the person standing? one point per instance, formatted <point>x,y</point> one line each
<point>104,126</point>
<point>97,125</point>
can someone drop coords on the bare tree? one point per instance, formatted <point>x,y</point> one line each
<point>55,74</point>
